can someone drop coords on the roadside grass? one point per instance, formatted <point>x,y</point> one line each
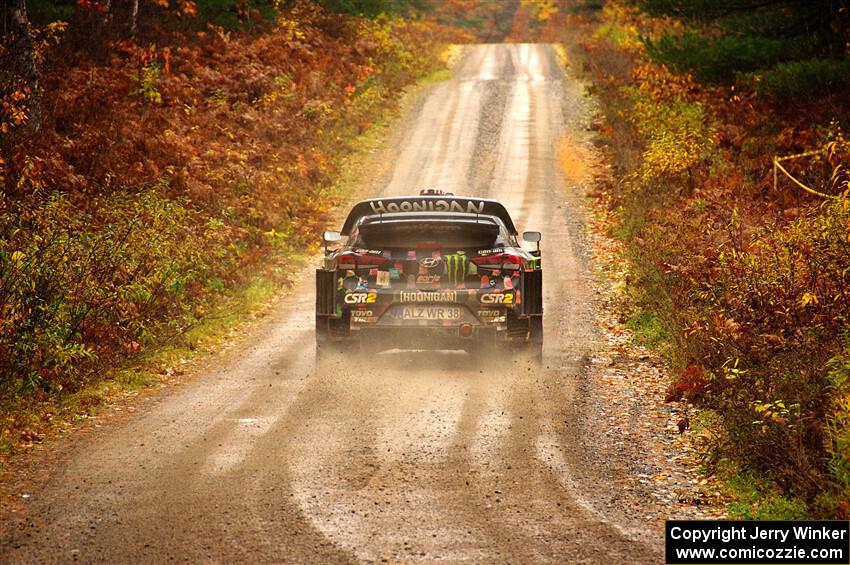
<point>448,56</point>
<point>228,322</point>
<point>27,421</point>
<point>648,329</point>
<point>746,496</point>
<point>756,499</point>
<point>438,76</point>
<point>653,316</point>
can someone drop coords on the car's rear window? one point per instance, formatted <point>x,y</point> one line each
<point>429,234</point>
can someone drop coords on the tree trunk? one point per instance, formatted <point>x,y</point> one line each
<point>24,61</point>
<point>134,26</point>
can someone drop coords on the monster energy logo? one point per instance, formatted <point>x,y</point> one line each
<point>456,267</point>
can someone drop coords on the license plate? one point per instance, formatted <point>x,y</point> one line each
<point>431,313</point>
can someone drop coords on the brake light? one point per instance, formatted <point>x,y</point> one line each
<point>360,261</point>
<point>434,192</point>
<point>505,261</point>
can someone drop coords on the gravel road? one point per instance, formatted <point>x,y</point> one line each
<point>404,457</point>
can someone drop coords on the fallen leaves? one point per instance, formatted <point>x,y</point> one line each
<point>631,383</point>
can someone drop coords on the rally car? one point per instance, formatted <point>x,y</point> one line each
<point>430,271</point>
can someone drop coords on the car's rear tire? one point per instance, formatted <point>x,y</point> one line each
<point>328,333</point>
<point>526,336</point>
<point>535,338</point>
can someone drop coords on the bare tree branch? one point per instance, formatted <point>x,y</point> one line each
<point>24,60</point>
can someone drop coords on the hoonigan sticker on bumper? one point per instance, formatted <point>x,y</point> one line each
<point>420,296</point>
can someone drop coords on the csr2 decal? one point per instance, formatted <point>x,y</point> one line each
<point>361,298</point>
<point>435,271</point>
<point>491,298</point>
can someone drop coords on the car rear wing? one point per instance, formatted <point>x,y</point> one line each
<point>407,204</point>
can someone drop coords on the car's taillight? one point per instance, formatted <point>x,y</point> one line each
<point>360,261</point>
<point>504,261</point>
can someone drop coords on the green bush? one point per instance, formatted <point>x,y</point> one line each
<point>719,60</point>
<point>774,317</point>
<point>678,134</point>
<point>74,285</point>
<point>374,8</point>
<point>803,79</point>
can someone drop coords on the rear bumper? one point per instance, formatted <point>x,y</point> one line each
<point>456,318</point>
<point>432,337</point>
<point>424,338</point>
<point>522,296</point>
<point>438,315</point>
<point>420,308</point>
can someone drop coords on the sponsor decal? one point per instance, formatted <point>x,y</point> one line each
<point>437,296</point>
<point>412,205</point>
<point>363,316</point>
<point>483,252</point>
<point>361,297</point>
<point>456,267</point>
<point>428,279</point>
<point>430,262</point>
<point>369,251</point>
<point>497,298</point>
<point>490,314</point>
<point>382,278</point>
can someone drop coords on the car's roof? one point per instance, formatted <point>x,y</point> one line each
<point>428,205</point>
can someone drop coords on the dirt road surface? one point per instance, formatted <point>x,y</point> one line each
<point>413,457</point>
